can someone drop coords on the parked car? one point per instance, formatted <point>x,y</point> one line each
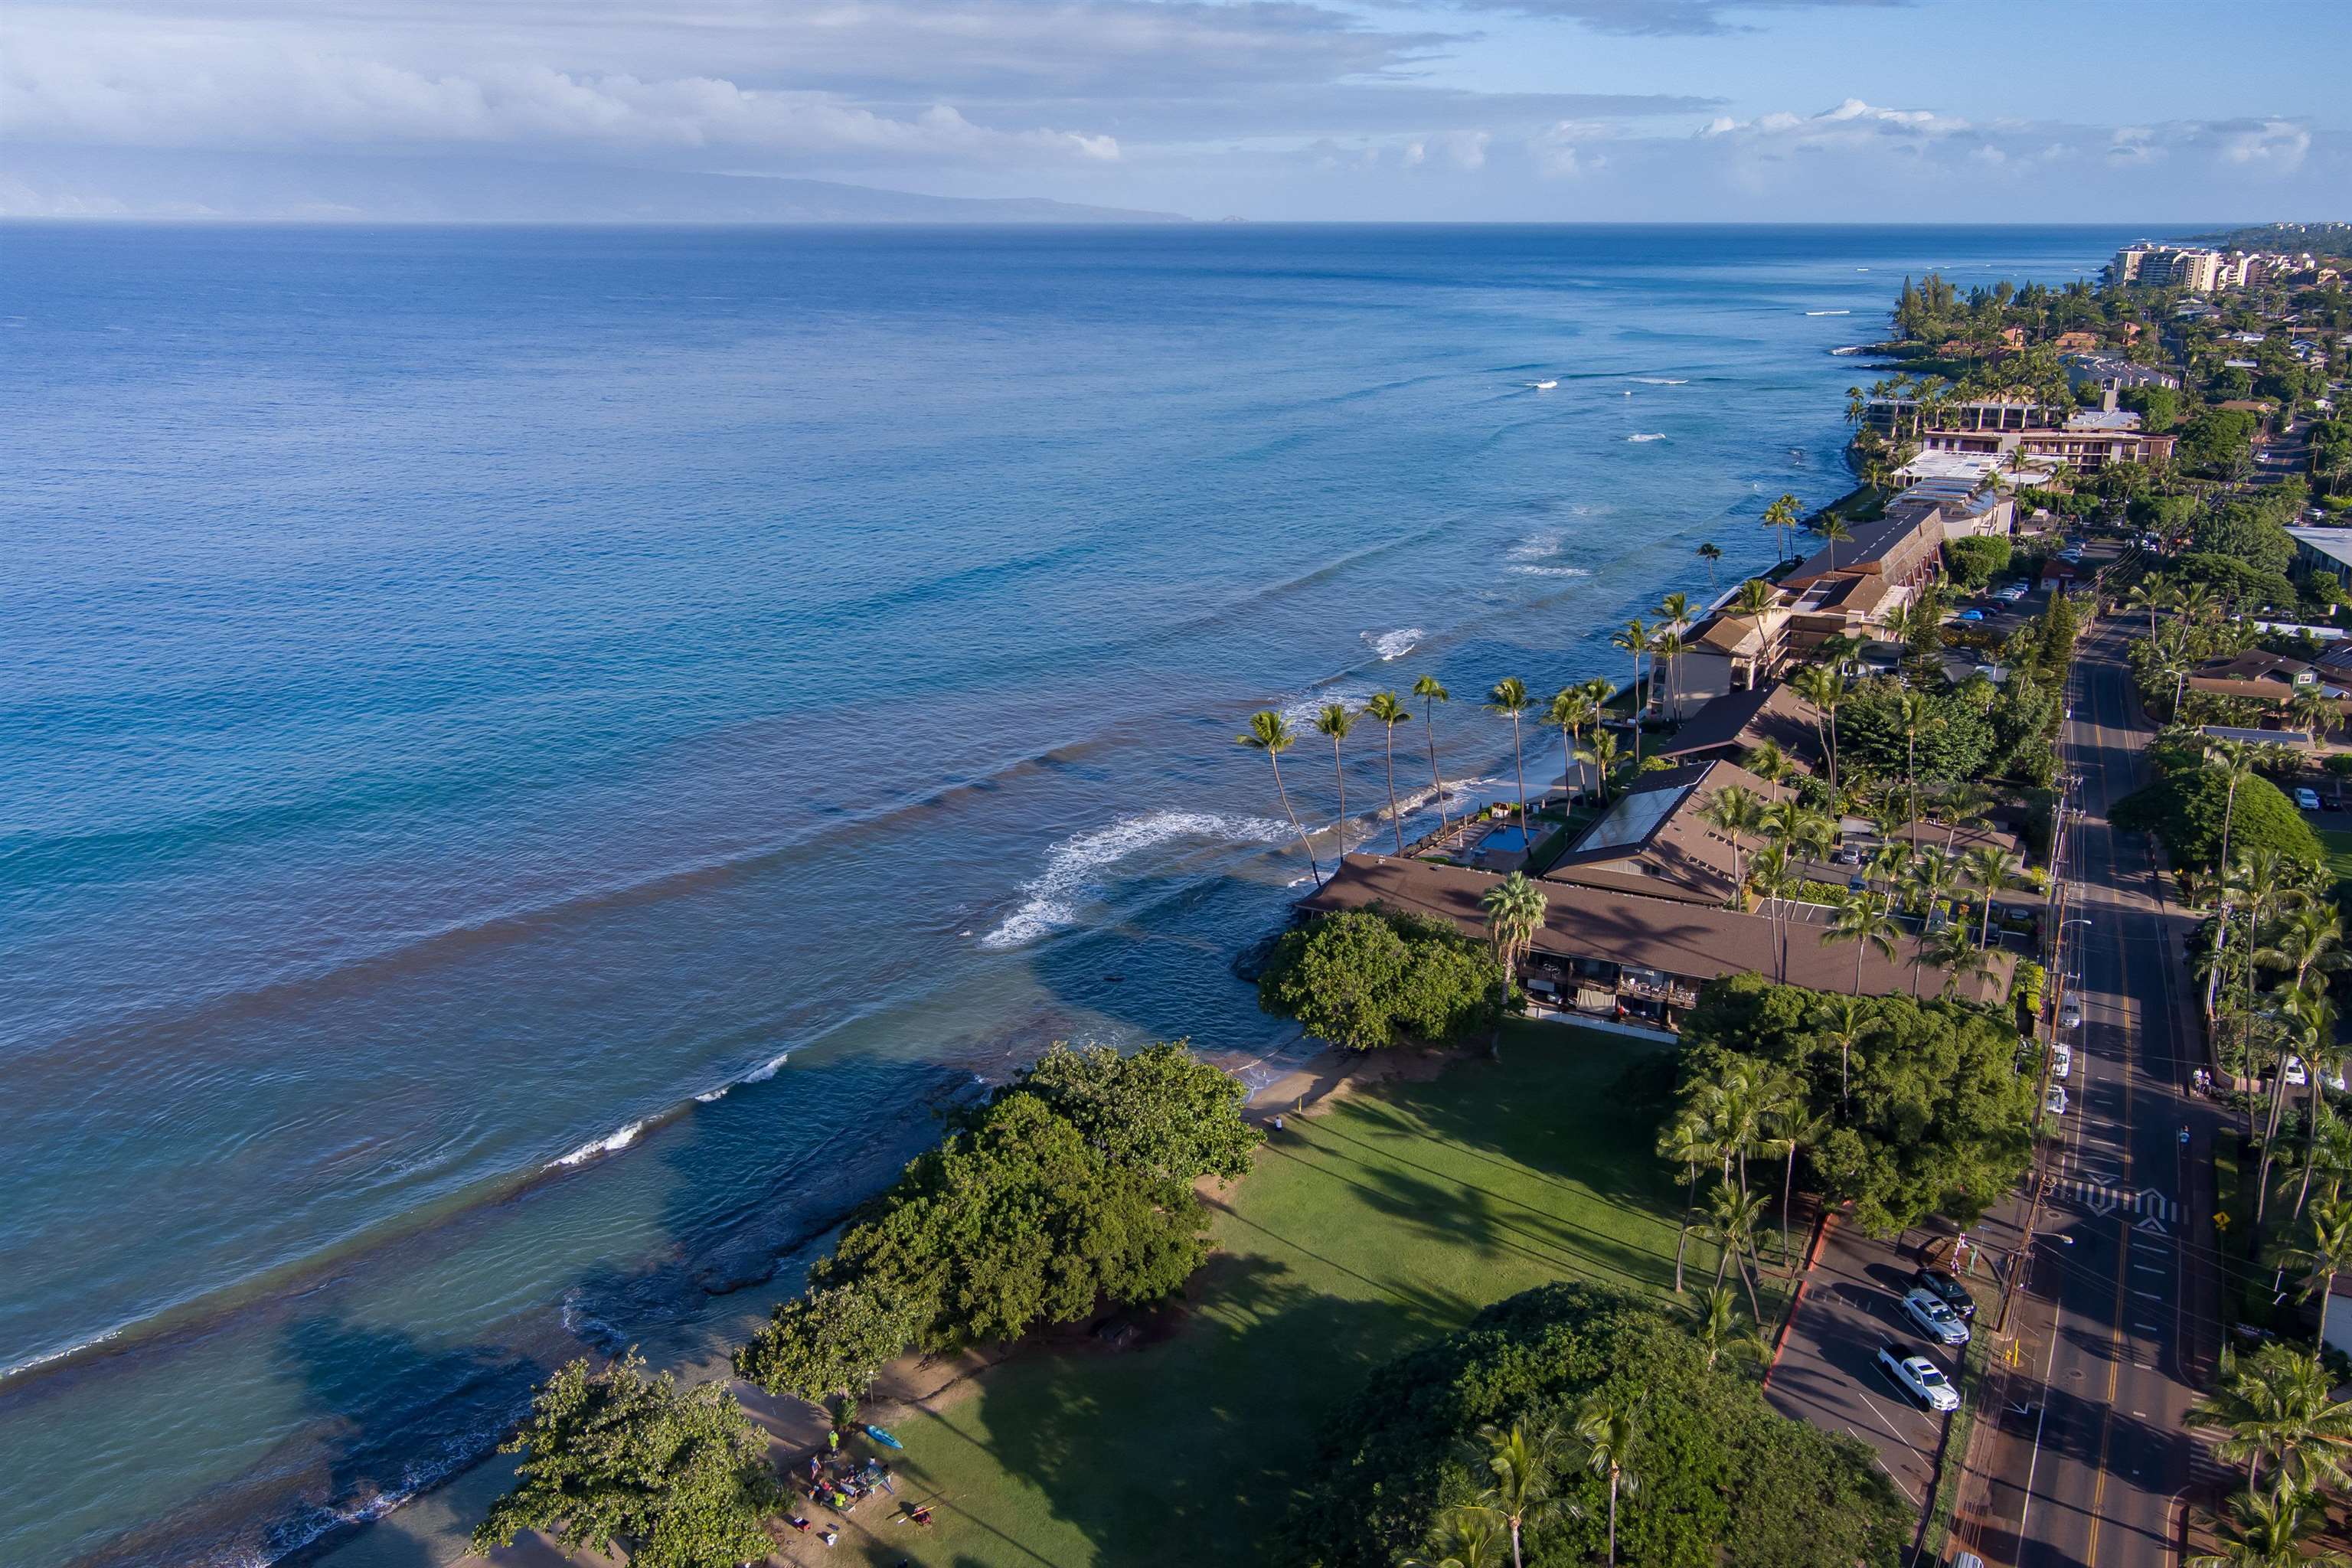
<point>1921,1380</point>
<point>2307,799</point>
<point>2295,1077</point>
<point>1948,1289</point>
<point>1970,616</point>
<point>2011,594</point>
<point>1934,1320</point>
<point>2071,1015</point>
<point>2062,1060</point>
<point>2055,1102</point>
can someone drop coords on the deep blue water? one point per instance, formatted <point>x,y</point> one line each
<point>467,694</point>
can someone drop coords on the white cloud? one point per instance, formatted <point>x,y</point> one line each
<point>2274,145</point>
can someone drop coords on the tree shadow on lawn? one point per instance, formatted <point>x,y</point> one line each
<point>1185,1452</point>
<point>1441,1210</point>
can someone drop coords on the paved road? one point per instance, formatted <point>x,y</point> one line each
<point>2117,1326</point>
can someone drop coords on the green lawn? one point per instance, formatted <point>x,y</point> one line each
<point>2338,842</point>
<point>1363,1230</point>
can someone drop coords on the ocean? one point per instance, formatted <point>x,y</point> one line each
<point>536,760</point>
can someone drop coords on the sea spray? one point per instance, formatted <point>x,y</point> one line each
<point>1074,867</point>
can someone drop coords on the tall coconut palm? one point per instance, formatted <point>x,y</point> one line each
<point>1510,699</point>
<point>2313,714</point>
<point>1961,959</point>
<point>1987,869</point>
<point>1932,875</point>
<point>1431,693</point>
<point>1270,733</point>
<point>1610,1432</point>
<point>1525,1466</point>
<point>1632,638</point>
<point>1668,648</point>
<point>1710,553</point>
<point>1773,873</point>
<point>2269,1530</point>
<point>1514,912</point>
<point>1768,761</point>
<point>1572,710</point>
<point>1688,1141</point>
<point>1600,755</point>
<point>2153,595</point>
<point>1730,1104</point>
<point>2235,760</point>
<point>1738,812</point>
<point>1821,691</point>
<point>1733,1217</point>
<point>1385,710</point>
<point>1789,1125</point>
<point>2326,1251</point>
<point>1334,721</point>
<point>1753,598</point>
<point>1780,517</point>
<point>1716,1326</point>
<point>1844,1022</point>
<point>1834,530</point>
<point>2275,1409</point>
<point>1857,917</point>
<point>1912,715</point>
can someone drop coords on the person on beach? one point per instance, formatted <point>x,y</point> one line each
<point>830,1535</point>
<point>833,1442</point>
<point>800,1524</point>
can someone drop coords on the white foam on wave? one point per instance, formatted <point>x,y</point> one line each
<point>1395,644</point>
<point>1535,547</point>
<point>759,1074</point>
<point>1074,867</point>
<point>1550,571</point>
<point>1650,435</point>
<point>1663,380</point>
<point>31,1363</point>
<point>1829,312</point>
<point>611,1144</point>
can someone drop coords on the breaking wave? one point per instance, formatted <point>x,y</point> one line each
<point>1829,312</point>
<point>1550,571</point>
<point>611,1144</point>
<point>1395,644</point>
<point>1051,899</point>
<point>1663,380</point>
<point>1650,435</point>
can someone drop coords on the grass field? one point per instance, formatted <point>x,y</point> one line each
<point>1385,1220</point>
<point>2338,842</point>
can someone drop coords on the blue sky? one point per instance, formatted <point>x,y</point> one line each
<point>2159,111</point>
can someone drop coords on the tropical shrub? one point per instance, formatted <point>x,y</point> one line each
<point>1724,1478</point>
<point>2187,808</point>
<point>1954,741</point>
<point>1370,978</point>
<point>1975,561</point>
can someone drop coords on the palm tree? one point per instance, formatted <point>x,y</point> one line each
<point>2275,1408</point>
<point>1710,553</point>
<point>2313,714</point>
<point>1844,1022</point>
<point>1572,709</point>
<point>1736,812</point>
<point>2326,1253</point>
<point>1768,761</point>
<point>1270,733</point>
<point>1780,517</point>
<point>1514,912</point>
<point>1790,1125</point>
<point>2152,594</point>
<point>1912,712</point>
<point>1335,721</point>
<point>1774,876</point>
<point>1510,699</point>
<point>1932,875</point>
<point>1634,638</point>
<point>1964,805</point>
<point>1602,755</point>
<point>1753,598</point>
<point>1524,1464</point>
<point>1986,868</point>
<point>1426,688</point>
<point>1687,1141</point>
<point>1730,1106</point>
<point>2269,1530</point>
<point>1717,1329</point>
<point>1609,1431</point>
<point>1856,917</point>
<point>1387,713</point>
<point>1668,644</point>
<point>1832,528</point>
<point>1466,1537</point>
<point>1732,1218</point>
<point>1822,691</point>
<point>2236,761</point>
<point>1961,959</point>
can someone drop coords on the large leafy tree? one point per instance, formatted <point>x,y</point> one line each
<point>1935,740</point>
<point>2190,807</point>
<point>1160,1109</point>
<point>1368,978</point>
<point>612,1456</point>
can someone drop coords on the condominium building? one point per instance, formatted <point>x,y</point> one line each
<point>2192,268</point>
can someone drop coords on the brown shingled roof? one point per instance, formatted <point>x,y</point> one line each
<point>1742,721</point>
<point>1698,942</point>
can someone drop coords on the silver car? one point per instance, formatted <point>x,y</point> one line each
<point>1934,1320</point>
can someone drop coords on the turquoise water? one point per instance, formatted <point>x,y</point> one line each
<point>534,760</point>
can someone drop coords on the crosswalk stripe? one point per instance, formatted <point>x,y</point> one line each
<point>2146,1204</point>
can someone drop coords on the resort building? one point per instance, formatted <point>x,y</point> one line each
<point>2088,440</point>
<point>1737,722</point>
<point>2112,375</point>
<point>2192,268</point>
<point>1731,652</point>
<point>2259,677</point>
<point>1636,957</point>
